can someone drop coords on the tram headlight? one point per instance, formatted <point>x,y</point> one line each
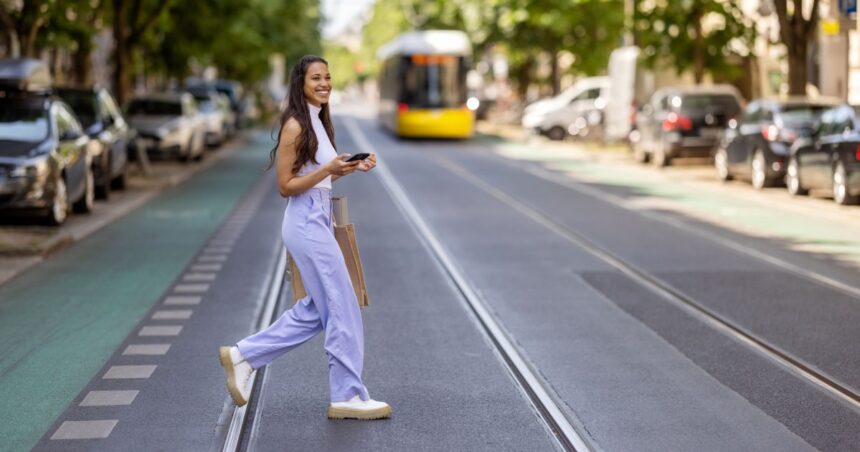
<point>473,103</point>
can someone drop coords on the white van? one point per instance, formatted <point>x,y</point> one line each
<point>578,110</point>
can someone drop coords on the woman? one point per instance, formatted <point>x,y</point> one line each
<point>307,163</point>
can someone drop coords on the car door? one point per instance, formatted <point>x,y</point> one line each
<point>815,164</point>
<point>71,148</point>
<point>844,146</point>
<point>117,129</point>
<point>737,149</point>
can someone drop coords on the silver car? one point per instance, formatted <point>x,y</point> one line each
<point>168,125</point>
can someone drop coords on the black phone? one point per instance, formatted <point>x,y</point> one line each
<point>358,157</point>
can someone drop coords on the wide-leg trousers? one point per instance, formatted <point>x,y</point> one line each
<point>330,306</point>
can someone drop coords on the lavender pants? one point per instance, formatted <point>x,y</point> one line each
<point>330,306</point>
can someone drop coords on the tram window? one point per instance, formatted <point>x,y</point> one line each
<point>433,81</point>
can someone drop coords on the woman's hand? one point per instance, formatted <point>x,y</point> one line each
<point>339,167</point>
<point>368,163</point>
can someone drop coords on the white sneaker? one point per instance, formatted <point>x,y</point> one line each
<point>356,408</point>
<point>238,374</point>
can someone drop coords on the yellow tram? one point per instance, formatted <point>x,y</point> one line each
<point>422,85</point>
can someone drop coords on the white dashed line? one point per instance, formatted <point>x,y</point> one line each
<point>172,314</point>
<point>206,267</point>
<point>160,331</point>
<point>109,398</point>
<point>215,258</point>
<point>146,349</point>
<point>197,277</point>
<point>191,288</point>
<point>84,429</point>
<point>184,301</point>
<point>127,372</point>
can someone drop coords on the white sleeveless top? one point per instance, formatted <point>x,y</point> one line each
<point>325,151</point>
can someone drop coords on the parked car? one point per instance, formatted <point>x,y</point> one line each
<point>830,158</point>
<point>209,106</point>
<point>168,125</point>
<point>230,88</point>
<point>229,115</point>
<point>757,146</point>
<point>44,153</point>
<point>683,122</point>
<point>575,111</point>
<point>104,124</point>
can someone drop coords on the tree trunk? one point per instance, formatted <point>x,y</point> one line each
<point>797,66</point>
<point>698,44</point>
<point>555,76</point>
<point>14,45</point>
<point>81,62</point>
<point>122,57</point>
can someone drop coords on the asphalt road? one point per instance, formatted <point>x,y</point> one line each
<point>633,370</point>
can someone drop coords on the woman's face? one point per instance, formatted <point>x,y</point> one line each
<point>317,84</point>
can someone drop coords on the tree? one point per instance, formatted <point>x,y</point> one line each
<point>22,21</point>
<point>695,35</point>
<point>131,20</point>
<point>798,34</point>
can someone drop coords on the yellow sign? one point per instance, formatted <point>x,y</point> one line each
<point>830,27</point>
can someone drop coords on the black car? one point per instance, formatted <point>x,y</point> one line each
<point>104,123</point>
<point>757,146</point>
<point>683,122</point>
<point>44,153</point>
<point>830,158</point>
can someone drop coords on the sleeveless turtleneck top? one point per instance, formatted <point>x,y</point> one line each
<point>325,150</point>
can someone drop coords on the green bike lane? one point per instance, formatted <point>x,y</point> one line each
<point>743,211</point>
<point>61,321</point>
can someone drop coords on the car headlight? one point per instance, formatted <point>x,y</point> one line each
<point>34,169</point>
<point>162,132</point>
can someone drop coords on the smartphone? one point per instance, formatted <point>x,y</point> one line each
<point>357,157</point>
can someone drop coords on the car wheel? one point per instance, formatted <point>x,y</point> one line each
<point>840,187</point>
<point>721,164</point>
<point>86,203</point>
<point>103,187</point>
<point>58,211</point>
<point>759,171</point>
<point>792,179</point>
<point>556,133</point>
<point>659,157</point>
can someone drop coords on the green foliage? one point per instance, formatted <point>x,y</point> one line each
<point>667,33</point>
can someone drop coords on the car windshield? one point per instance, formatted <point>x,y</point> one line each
<point>83,104</point>
<point>155,107</point>
<point>708,102</point>
<point>205,104</point>
<point>801,115</point>
<point>23,123</point>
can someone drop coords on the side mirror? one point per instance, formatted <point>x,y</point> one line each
<point>70,135</point>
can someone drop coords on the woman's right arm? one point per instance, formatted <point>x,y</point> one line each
<point>290,184</point>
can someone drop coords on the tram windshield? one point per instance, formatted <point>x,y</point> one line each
<point>433,81</point>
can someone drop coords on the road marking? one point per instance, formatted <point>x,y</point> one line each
<point>173,300</point>
<point>206,267</point>
<point>535,389</point>
<point>199,277</point>
<point>160,331</point>
<point>84,429</point>
<point>127,372</point>
<point>218,249</point>
<point>172,314</point>
<point>212,258</point>
<point>186,288</point>
<point>146,349</point>
<point>109,398</point>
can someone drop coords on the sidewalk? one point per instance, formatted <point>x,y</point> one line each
<point>24,243</point>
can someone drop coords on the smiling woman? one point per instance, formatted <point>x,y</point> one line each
<point>307,164</point>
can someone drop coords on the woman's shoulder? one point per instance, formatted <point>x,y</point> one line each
<point>291,129</point>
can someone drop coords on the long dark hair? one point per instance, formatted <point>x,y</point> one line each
<point>297,108</point>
